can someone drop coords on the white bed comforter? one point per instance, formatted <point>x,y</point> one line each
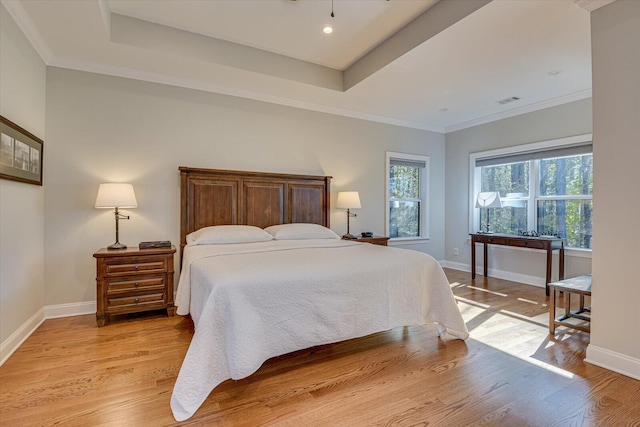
<point>250,302</point>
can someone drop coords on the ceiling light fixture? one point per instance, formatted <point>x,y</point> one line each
<point>328,29</point>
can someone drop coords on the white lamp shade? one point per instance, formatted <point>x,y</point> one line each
<point>116,195</point>
<point>348,200</point>
<point>488,199</point>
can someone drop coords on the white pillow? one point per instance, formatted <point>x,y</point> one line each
<point>300,231</point>
<point>226,234</point>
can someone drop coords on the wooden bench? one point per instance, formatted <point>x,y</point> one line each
<point>580,285</point>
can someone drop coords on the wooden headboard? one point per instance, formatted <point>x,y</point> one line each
<point>222,197</point>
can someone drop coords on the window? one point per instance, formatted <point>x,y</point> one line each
<point>544,187</point>
<point>407,189</point>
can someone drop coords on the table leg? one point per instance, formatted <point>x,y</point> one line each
<point>548,276</point>
<point>486,262</point>
<point>561,263</point>
<point>473,258</point>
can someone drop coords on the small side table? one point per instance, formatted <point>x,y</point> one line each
<point>132,280</point>
<point>580,285</point>
<point>375,240</point>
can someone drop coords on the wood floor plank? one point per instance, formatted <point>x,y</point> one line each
<point>509,372</point>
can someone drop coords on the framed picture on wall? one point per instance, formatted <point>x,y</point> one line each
<point>20,153</point>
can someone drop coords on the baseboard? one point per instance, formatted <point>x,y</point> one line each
<point>15,340</point>
<point>68,310</point>
<point>613,361</point>
<point>454,265</point>
<point>11,344</point>
<point>500,274</point>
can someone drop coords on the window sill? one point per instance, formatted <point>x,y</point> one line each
<point>408,241</point>
<point>578,252</point>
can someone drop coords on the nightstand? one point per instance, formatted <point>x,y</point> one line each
<point>132,280</point>
<point>375,240</point>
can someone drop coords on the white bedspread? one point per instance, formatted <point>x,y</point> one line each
<point>250,302</point>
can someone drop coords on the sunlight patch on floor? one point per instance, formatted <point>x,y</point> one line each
<point>513,333</point>
<point>535,319</point>
<point>487,291</point>
<point>547,366</point>
<point>472,302</point>
<point>471,310</point>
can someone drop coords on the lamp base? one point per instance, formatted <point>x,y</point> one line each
<point>117,245</point>
<point>349,236</point>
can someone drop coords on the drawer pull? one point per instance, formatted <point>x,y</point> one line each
<point>137,284</point>
<point>137,300</point>
<point>136,267</point>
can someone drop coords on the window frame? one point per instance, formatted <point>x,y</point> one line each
<point>534,190</point>
<point>424,194</point>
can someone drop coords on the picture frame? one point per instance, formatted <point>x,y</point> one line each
<point>21,154</point>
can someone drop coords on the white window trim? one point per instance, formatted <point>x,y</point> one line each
<point>424,190</point>
<point>474,173</point>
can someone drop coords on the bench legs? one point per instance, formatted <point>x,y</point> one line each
<point>561,320</point>
<point>552,310</point>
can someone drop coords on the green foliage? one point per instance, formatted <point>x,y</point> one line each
<point>404,182</point>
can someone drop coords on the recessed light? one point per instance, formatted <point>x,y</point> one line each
<point>328,29</point>
<point>554,72</point>
<point>443,110</point>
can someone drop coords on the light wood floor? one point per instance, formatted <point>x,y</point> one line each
<point>509,373</point>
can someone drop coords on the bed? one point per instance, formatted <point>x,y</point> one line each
<point>262,275</point>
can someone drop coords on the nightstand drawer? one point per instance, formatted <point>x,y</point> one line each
<point>127,284</point>
<point>134,301</point>
<point>135,265</point>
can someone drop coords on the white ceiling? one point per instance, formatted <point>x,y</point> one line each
<point>432,65</point>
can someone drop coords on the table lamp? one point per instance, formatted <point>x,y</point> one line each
<point>488,199</point>
<point>348,200</point>
<point>116,195</point>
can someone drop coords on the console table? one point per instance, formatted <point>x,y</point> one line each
<point>545,243</point>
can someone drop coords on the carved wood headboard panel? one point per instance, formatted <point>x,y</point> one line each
<point>222,197</point>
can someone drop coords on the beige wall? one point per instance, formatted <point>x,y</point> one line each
<point>551,123</point>
<point>22,100</point>
<point>103,128</point>
<point>615,34</point>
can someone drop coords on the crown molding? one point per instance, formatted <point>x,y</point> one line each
<point>29,29</point>
<point>576,96</point>
<point>591,5</point>
<point>135,74</point>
